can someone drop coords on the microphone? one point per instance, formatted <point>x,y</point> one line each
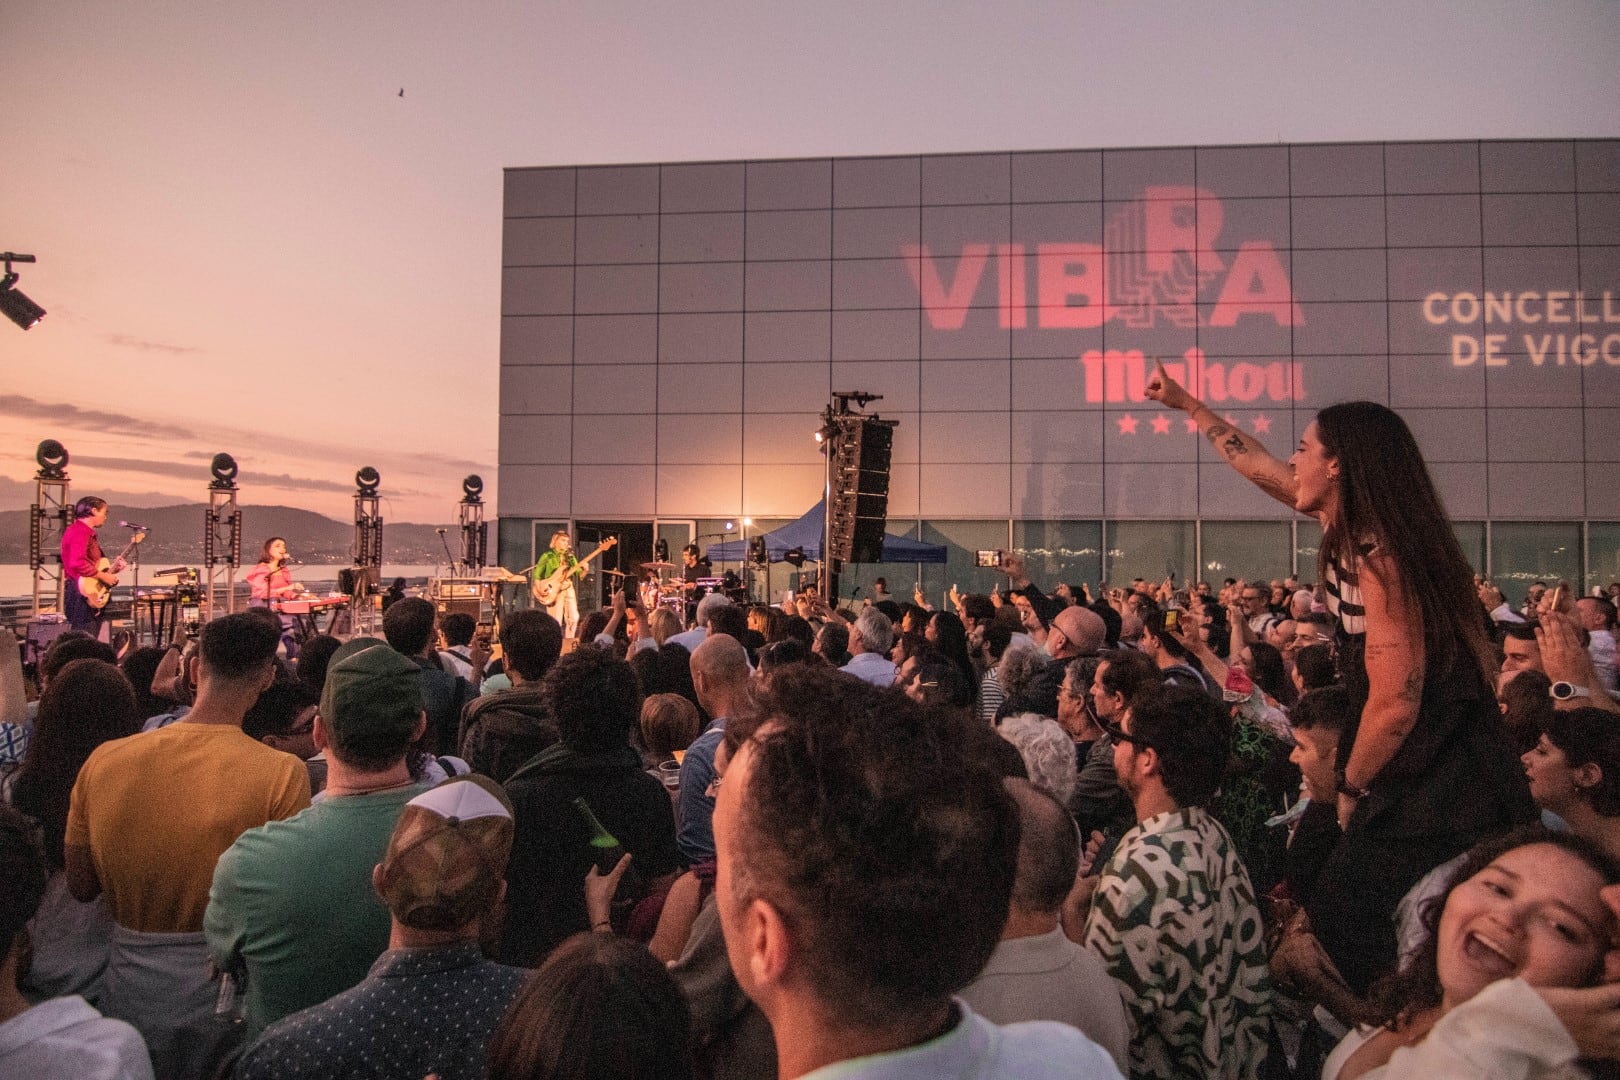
<point>132,525</point>
<point>288,560</point>
<point>439,531</point>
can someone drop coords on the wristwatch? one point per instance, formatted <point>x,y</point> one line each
<point>1345,788</point>
<point>1564,691</point>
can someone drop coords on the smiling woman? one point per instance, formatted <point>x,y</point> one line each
<point>1525,905</point>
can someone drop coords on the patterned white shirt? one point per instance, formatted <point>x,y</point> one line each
<point>1175,922</point>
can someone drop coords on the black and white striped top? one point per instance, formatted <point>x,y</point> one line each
<point>1343,587</point>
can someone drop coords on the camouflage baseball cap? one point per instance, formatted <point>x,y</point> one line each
<point>447,856</point>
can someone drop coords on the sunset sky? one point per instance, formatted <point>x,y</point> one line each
<point>249,241</point>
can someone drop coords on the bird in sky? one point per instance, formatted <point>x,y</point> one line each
<point>402,91</point>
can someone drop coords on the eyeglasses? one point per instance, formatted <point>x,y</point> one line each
<point>1119,733</point>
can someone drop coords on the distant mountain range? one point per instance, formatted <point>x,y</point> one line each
<point>176,536</point>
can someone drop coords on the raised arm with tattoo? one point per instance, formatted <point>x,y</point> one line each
<point>1243,452</point>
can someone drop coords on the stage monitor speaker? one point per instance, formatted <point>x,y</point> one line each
<point>459,606</point>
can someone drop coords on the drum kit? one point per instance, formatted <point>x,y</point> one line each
<point>656,590</point>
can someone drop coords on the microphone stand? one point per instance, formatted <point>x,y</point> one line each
<point>450,560</point>
<point>135,596</point>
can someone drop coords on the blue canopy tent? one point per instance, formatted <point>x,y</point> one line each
<point>806,534</point>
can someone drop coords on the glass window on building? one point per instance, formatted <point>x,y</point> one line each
<point>1060,551</point>
<point>1602,554</point>
<point>1471,536</point>
<point>514,543</point>
<point>1307,544</point>
<point>1150,549</point>
<point>677,533</point>
<point>1523,552</point>
<point>962,539</point>
<point>1251,550</point>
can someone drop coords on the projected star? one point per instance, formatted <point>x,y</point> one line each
<point>1192,425</point>
<point>1161,425</point>
<point>1127,424</point>
<point>1262,425</point>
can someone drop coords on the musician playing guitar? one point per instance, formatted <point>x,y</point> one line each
<point>554,577</point>
<point>82,558</point>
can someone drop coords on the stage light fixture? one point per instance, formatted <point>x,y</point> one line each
<point>794,557</point>
<point>224,471</point>
<point>731,526</point>
<point>472,487</point>
<point>367,480</point>
<point>18,307</point>
<point>53,459</point>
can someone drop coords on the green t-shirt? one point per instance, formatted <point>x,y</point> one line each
<point>550,561</point>
<point>292,902</point>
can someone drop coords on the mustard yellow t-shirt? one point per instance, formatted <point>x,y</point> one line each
<point>159,808</point>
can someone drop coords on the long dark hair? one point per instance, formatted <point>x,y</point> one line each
<point>950,637</point>
<point>1270,673</point>
<point>264,553</point>
<point>1398,997</point>
<point>1386,498</point>
<point>89,702</point>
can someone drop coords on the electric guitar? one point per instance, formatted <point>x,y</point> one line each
<point>96,592</point>
<point>548,589</point>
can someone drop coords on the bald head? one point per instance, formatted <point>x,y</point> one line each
<point>1082,630</point>
<point>720,673</point>
<point>1048,850</point>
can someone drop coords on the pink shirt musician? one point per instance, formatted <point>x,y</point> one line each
<point>269,582</point>
<point>270,579</point>
<point>81,558</point>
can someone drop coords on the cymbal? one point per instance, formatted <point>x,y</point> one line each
<point>614,573</point>
<point>658,566</point>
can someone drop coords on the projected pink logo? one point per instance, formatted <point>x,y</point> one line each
<point>1157,265</point>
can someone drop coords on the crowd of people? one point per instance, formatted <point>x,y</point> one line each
<point>1361,825</point>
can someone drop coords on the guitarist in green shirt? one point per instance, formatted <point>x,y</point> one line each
<point>559,598</point>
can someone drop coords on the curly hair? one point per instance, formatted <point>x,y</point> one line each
<point>890,850</point>
<point>1047,750</point>
<point>1018,668</point>
<point>1416,987</point>
<point>595,698</point>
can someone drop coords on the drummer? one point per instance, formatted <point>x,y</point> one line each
<point>694,566</point>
